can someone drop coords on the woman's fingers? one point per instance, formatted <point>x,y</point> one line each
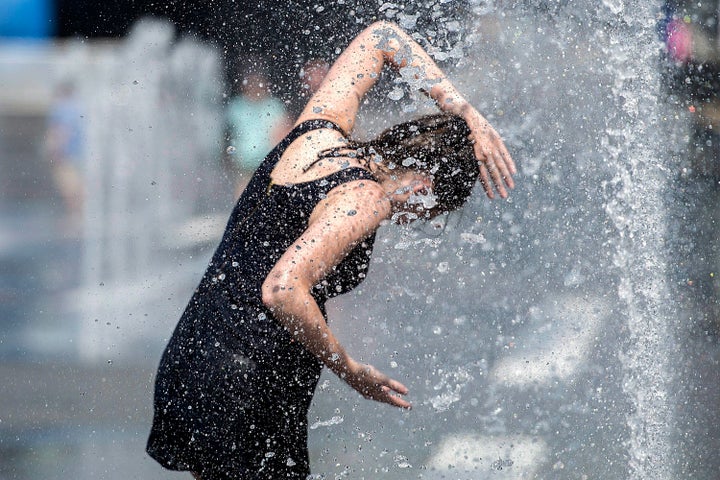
<point>397,386</point>
<point>397,401</point>
<point>496,169</point>
<point>505,165</point>
<point>375,385</point>
<point>496,164</point>
<point>512,169</point>
<point>485,181</point>
<point>391,395</point>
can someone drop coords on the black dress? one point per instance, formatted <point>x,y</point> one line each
<point>233,388</point>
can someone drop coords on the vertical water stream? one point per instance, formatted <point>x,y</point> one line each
<point>635,144</point>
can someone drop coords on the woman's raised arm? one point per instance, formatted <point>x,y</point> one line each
<point>357,69</point>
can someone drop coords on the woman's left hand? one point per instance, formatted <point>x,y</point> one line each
<point>372,384</point>
<point>496,164</point>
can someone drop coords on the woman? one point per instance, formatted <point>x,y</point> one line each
<point>237,377</point>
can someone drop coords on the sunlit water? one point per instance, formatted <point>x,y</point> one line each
<point>537,336</point>
<point>540,337</point>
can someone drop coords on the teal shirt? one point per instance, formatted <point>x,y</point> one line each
<point>251,126</point>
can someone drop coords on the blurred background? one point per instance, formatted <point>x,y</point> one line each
<point>569,332</point>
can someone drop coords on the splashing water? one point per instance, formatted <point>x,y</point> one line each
<point>450,385</point>
<point>335,420</point>
<point>639,213</point>
<point>565,282</point>
<point>573,90</point>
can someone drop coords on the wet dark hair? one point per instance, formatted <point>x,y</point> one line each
<point>436,145</point>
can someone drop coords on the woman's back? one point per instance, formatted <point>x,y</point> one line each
<point>274,210</point>
<point>292,167</point>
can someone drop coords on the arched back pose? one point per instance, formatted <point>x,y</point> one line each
<point>236,379</point>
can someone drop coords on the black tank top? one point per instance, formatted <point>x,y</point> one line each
<point>268,218</point>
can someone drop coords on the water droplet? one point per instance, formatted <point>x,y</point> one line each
<point>326,423</point>
<point>396,94</point>
<point>352,213</point>
<point>472,237</point>
<point>402,461</point>
<point>231,150</point>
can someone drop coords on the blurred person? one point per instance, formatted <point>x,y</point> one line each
<point>236,380</point>
<point>691,33</point>
<point>312,74</point>
<point>692,41</point>
<point>64,149</point>
<point>256,122</point>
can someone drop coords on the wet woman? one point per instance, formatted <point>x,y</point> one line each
<point>235,382</point>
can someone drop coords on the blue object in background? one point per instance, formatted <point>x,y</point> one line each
<point>26,18</point>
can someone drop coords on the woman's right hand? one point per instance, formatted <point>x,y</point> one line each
<point>495,163</point>
<point>374,385</point>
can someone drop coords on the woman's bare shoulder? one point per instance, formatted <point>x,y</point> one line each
<point>292,166</point>
<point>358,202</point>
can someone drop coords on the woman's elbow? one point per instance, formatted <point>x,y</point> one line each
<point>279,294</point>
<point>272,294</point>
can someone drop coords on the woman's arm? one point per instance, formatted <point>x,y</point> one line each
<point>350,214</point>
<point>357,69</point>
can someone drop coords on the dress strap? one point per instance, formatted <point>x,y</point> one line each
<point>345,175</point>
<point>300,129</point>
<point>310,125</point>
